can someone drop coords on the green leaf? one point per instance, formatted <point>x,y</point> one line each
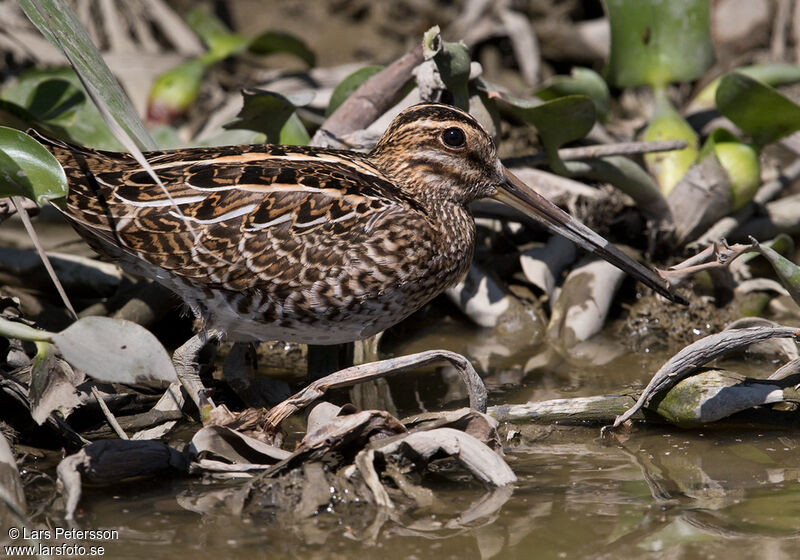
<point>782,243</point>
<point>82,124</point>
<point>13,329</point>
<point>558,122</point>
<point>115,351</point>
<point>61,26</point>
<point>271,42</point>
<point>221,41</point>
<point>347,86</point>
<point>788,272</point>
<point>655,43</point>
<point>14,116</point>
<point>627,176</point>
<point>268,112</point>
<point>167,137</point>
<point>756,108</point>
<point>775,74</point>
<point>55,99</point>
<point>453,62</point>
<point>28,169</point>
<point>294,133</point>
<point>431,42</point>
<point>233,137</point>
<point>667,124</point>
<point>174,91</point>
<point>739,160</point>
<point>581,81</point>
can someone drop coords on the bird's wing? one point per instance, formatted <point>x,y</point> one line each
<point>242,217</point>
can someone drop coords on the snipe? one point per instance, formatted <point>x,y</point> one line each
<point>306,244</point>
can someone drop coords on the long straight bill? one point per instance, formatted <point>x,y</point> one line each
<point>520,196</point>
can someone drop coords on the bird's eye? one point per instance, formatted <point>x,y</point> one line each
<point>454,138</point>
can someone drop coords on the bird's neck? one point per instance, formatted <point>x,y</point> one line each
<point>455,229</point>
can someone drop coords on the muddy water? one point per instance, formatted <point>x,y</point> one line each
<point>658,493</point>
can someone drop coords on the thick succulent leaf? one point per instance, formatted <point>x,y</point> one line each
<point>56,20</point>
<point>14,329</point>
<point>79,122</point>
<point>783,244</point>
<point>667,124</point>
<point>167,137</point>
<point>28,169</point>
<point>221,41</point>
<point>271,42</point>
<point>739,160</point>
<point>294,132</point>
<point>453,63</point>
<point>655,43</point>
<point>15,116</point>
<point>558,122</point>
<point>581,81</point>
<point>756,108</point>
<point>268,112</point>
<point>431,42</point>
<point>55,99</point>
<point>174,91</point>
<point>787,271</point>
<point>775,74</point>
<point>347,86</point>
<point>629,177</point>
<point>115,351</point>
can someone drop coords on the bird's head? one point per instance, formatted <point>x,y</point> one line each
<point>437,153</point>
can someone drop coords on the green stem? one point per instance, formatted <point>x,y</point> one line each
<point>12,329</point>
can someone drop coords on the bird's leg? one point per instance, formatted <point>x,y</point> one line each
<point>324,360</point>
<point>375,394</point>
<point>240,370</point>
<point>374,370</point>
<point>185,361</point>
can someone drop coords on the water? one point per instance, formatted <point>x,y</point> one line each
<point>657,492</point>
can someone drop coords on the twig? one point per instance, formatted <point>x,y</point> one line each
<point>783,10</point>
<point>7,208</point>
<point>26,221</point>
<point>375,370</point>
<point>109,415</point>
<point>371,99</point>
<point>600,150</point>
<point>717,255</point>
<point>796,31</point>
<point>579,410</point>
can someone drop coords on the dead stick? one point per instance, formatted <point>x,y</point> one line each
<point>26,221</point>
<point>374,370</point>
<point>600,150</point>
<point>112,421</point>
<point>373,98</point>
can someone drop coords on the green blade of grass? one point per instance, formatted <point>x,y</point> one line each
<point>56,20</point>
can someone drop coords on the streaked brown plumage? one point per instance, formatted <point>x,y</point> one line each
<point>307,244</point>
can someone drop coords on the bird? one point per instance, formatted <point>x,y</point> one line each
<point>306,244</point>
